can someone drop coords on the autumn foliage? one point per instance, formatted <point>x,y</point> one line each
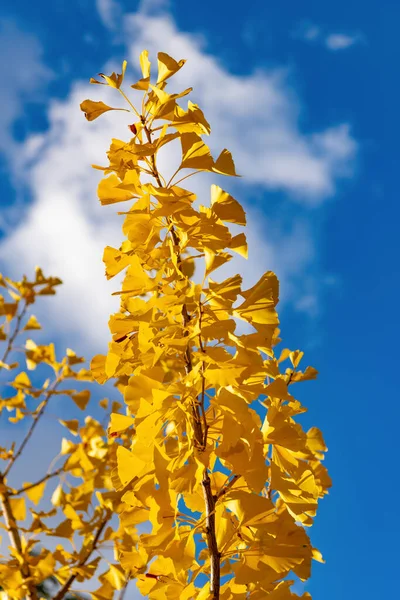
<point>202,484</point>
<point>217,463</point>
<point>56,526</point>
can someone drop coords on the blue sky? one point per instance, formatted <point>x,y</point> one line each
<point>304,94</point>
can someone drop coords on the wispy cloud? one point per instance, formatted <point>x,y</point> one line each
<point>312,33</point>
<point>24,76</point>
<point>109,12</point>
<point>256,115</point>
<point>341,41</point>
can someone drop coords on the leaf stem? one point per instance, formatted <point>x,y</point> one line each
<point>129,102</point>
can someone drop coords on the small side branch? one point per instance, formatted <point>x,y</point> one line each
<point>32,428</point>
<point>16,331</point>
<point>33,485</point>
<point>225,489</point>
<point>67,585</point>
<point>124,589</point>
<point>15,539</point>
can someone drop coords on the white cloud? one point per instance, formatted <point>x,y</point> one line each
<point>341,41</point>
<point>255,116</point>
<point>149,7</point>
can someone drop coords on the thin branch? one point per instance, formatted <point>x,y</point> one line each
<point>225,489</point>
<point>16,331</point>
<point>15,539</point>
<point>42,480</point>
<point>199,421</point>
<point>123,591</point>
<point>32,427</point>
<point>65,588</point>
<point>203,382</point>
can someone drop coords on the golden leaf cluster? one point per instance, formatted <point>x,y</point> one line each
<point>211,458</point>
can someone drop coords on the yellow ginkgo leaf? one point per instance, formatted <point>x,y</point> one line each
<point>114,80</point>
<point>225,207</point>
<point>93,109</point>
<point>167,66</point>
<point>72,425</point>
<point>239,244</point>
<point>250,509</point>
<point>32,323</point>
<point>18,508</point>
<point>116,577</point>
<point>191,121</point>
<point>110,191</point>
<point>22,381</point>
<point>129,465</point>
<point>309,373</point>
<point>225,165</point>
<point>35,493</point>
<point>58,496</point>
<point>98,368</point>
<point>260,302</point>
<point>81,399</point>
<point>223,377</point>
<point>278,389</point>
<point>143,83</point>
<point>195,153</point>
<point>119,423</point>
<point>214,261</point>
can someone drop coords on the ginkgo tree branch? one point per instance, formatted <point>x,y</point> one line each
<point>41,480</point>
<point>125,587</point>
<point>215,556</point>
<point>33,426</point>
<point>14,334</point>
<point>199,416</point>
<point>67,585</point>
<point>225,489</point>
<point>186,317</point>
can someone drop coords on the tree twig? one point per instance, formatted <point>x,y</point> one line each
<point>11,339</point>
<point>225,489</point>
<point>65,588</point>
<point>199,420</point>
<point>124,589</point>
<point>32,427</point>
<point>33,485</point>
<point>15,539</point>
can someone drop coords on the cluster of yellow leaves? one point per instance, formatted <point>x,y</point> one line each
<point>217,463</point>
<point>56,525</point>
